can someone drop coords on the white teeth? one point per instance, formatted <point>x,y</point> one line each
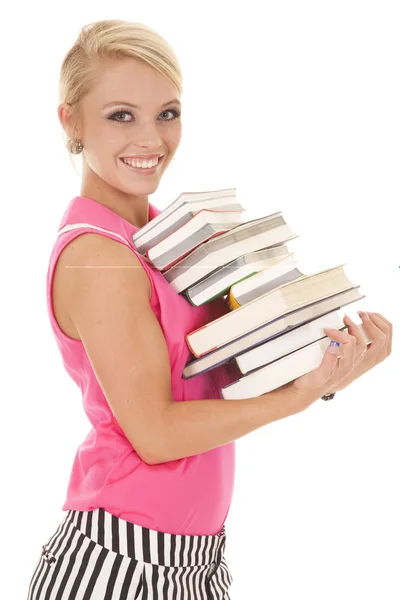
<point>141,164</point>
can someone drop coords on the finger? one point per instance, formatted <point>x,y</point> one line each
<point>325,371</point>
<point>317,380</point>
<point>384,328</point>
<point>390,332</point>
<point>375,333</point>
<point>382,317</point>
<point>338,336</point>
<point>356,331</point>
<point>348,359</point>
<point>347,356</point>
<point>377,350</point>
<point>330,358</point>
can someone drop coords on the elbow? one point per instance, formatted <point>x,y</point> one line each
<point>153,448</point>
<point>149,457</point>
<point>145,456</point>
<point>150,460</point>
<point>157,457</point>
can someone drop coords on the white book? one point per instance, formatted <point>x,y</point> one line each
<point>288,342</point>
<point>280,372</point>
<point>150,236</point>
<point>220,281</point>
<point>185,199</point>
<point>248,237</point>
<point>262,282</point>
<point>272,305</point>
<point>271,330</point>
<point>203,226</point>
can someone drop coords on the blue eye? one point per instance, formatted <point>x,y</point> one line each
<point>174,111</point>
<point>176,114</point>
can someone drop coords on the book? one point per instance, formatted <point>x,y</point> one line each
<point>282,371</point>
<point>249,237</point>
<point>266,308</point>
<point>204,225</point>
<point>180,212</point>
<point>288,342</point>
<point>186,198</point>
<point>245,291</point>
<point>220,281</point>
<point>270,331</point>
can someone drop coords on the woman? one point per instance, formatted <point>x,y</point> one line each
<point>151,485</point>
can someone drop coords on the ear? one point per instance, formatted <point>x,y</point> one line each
<point>67,120</point>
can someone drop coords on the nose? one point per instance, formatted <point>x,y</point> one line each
<point>147,135</point>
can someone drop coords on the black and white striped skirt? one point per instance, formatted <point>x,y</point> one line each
<point>95,555</point>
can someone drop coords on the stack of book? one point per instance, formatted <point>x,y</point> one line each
<point>274,330</point>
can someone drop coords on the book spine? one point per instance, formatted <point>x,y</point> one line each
<point>221,292</point>
<point>206,300</point>
<point>188,297</point>
<point>191,347</point>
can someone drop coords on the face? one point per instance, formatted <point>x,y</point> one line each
<point>111,129</point>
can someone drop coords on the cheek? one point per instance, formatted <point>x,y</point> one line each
<point>174,137</point>
<point>104,140</point>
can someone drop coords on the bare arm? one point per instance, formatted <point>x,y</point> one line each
<point>106,295</point>
<point>199,425</point>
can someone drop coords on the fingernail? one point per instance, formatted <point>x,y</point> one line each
<point>334,347</point>
<point>349,318</point>
<point>364,316</point>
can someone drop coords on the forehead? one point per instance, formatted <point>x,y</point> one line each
<point>130,80</point>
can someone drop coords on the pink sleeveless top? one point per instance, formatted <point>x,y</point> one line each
<point>189,496</point>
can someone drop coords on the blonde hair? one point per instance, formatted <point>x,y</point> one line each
<point>113,39</point>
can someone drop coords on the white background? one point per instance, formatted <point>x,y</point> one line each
<point>296,104</point>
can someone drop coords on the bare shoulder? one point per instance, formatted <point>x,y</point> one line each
<point>106,297</point>
<point>97,251</point>
<point>91,251</point>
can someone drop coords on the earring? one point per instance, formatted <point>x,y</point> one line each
<point>75,147</point>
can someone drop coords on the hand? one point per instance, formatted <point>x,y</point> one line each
<point>337,363</point>
<point>380,332</point>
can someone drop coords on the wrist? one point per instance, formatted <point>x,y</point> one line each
<point>297,400</point>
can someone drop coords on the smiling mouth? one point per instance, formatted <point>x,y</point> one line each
<point>143,169</point>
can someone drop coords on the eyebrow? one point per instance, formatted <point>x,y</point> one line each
<point>136,106</point>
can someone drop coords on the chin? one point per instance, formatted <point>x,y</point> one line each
<point>143,189</point>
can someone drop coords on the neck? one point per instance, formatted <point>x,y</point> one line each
<point>133,209</point>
